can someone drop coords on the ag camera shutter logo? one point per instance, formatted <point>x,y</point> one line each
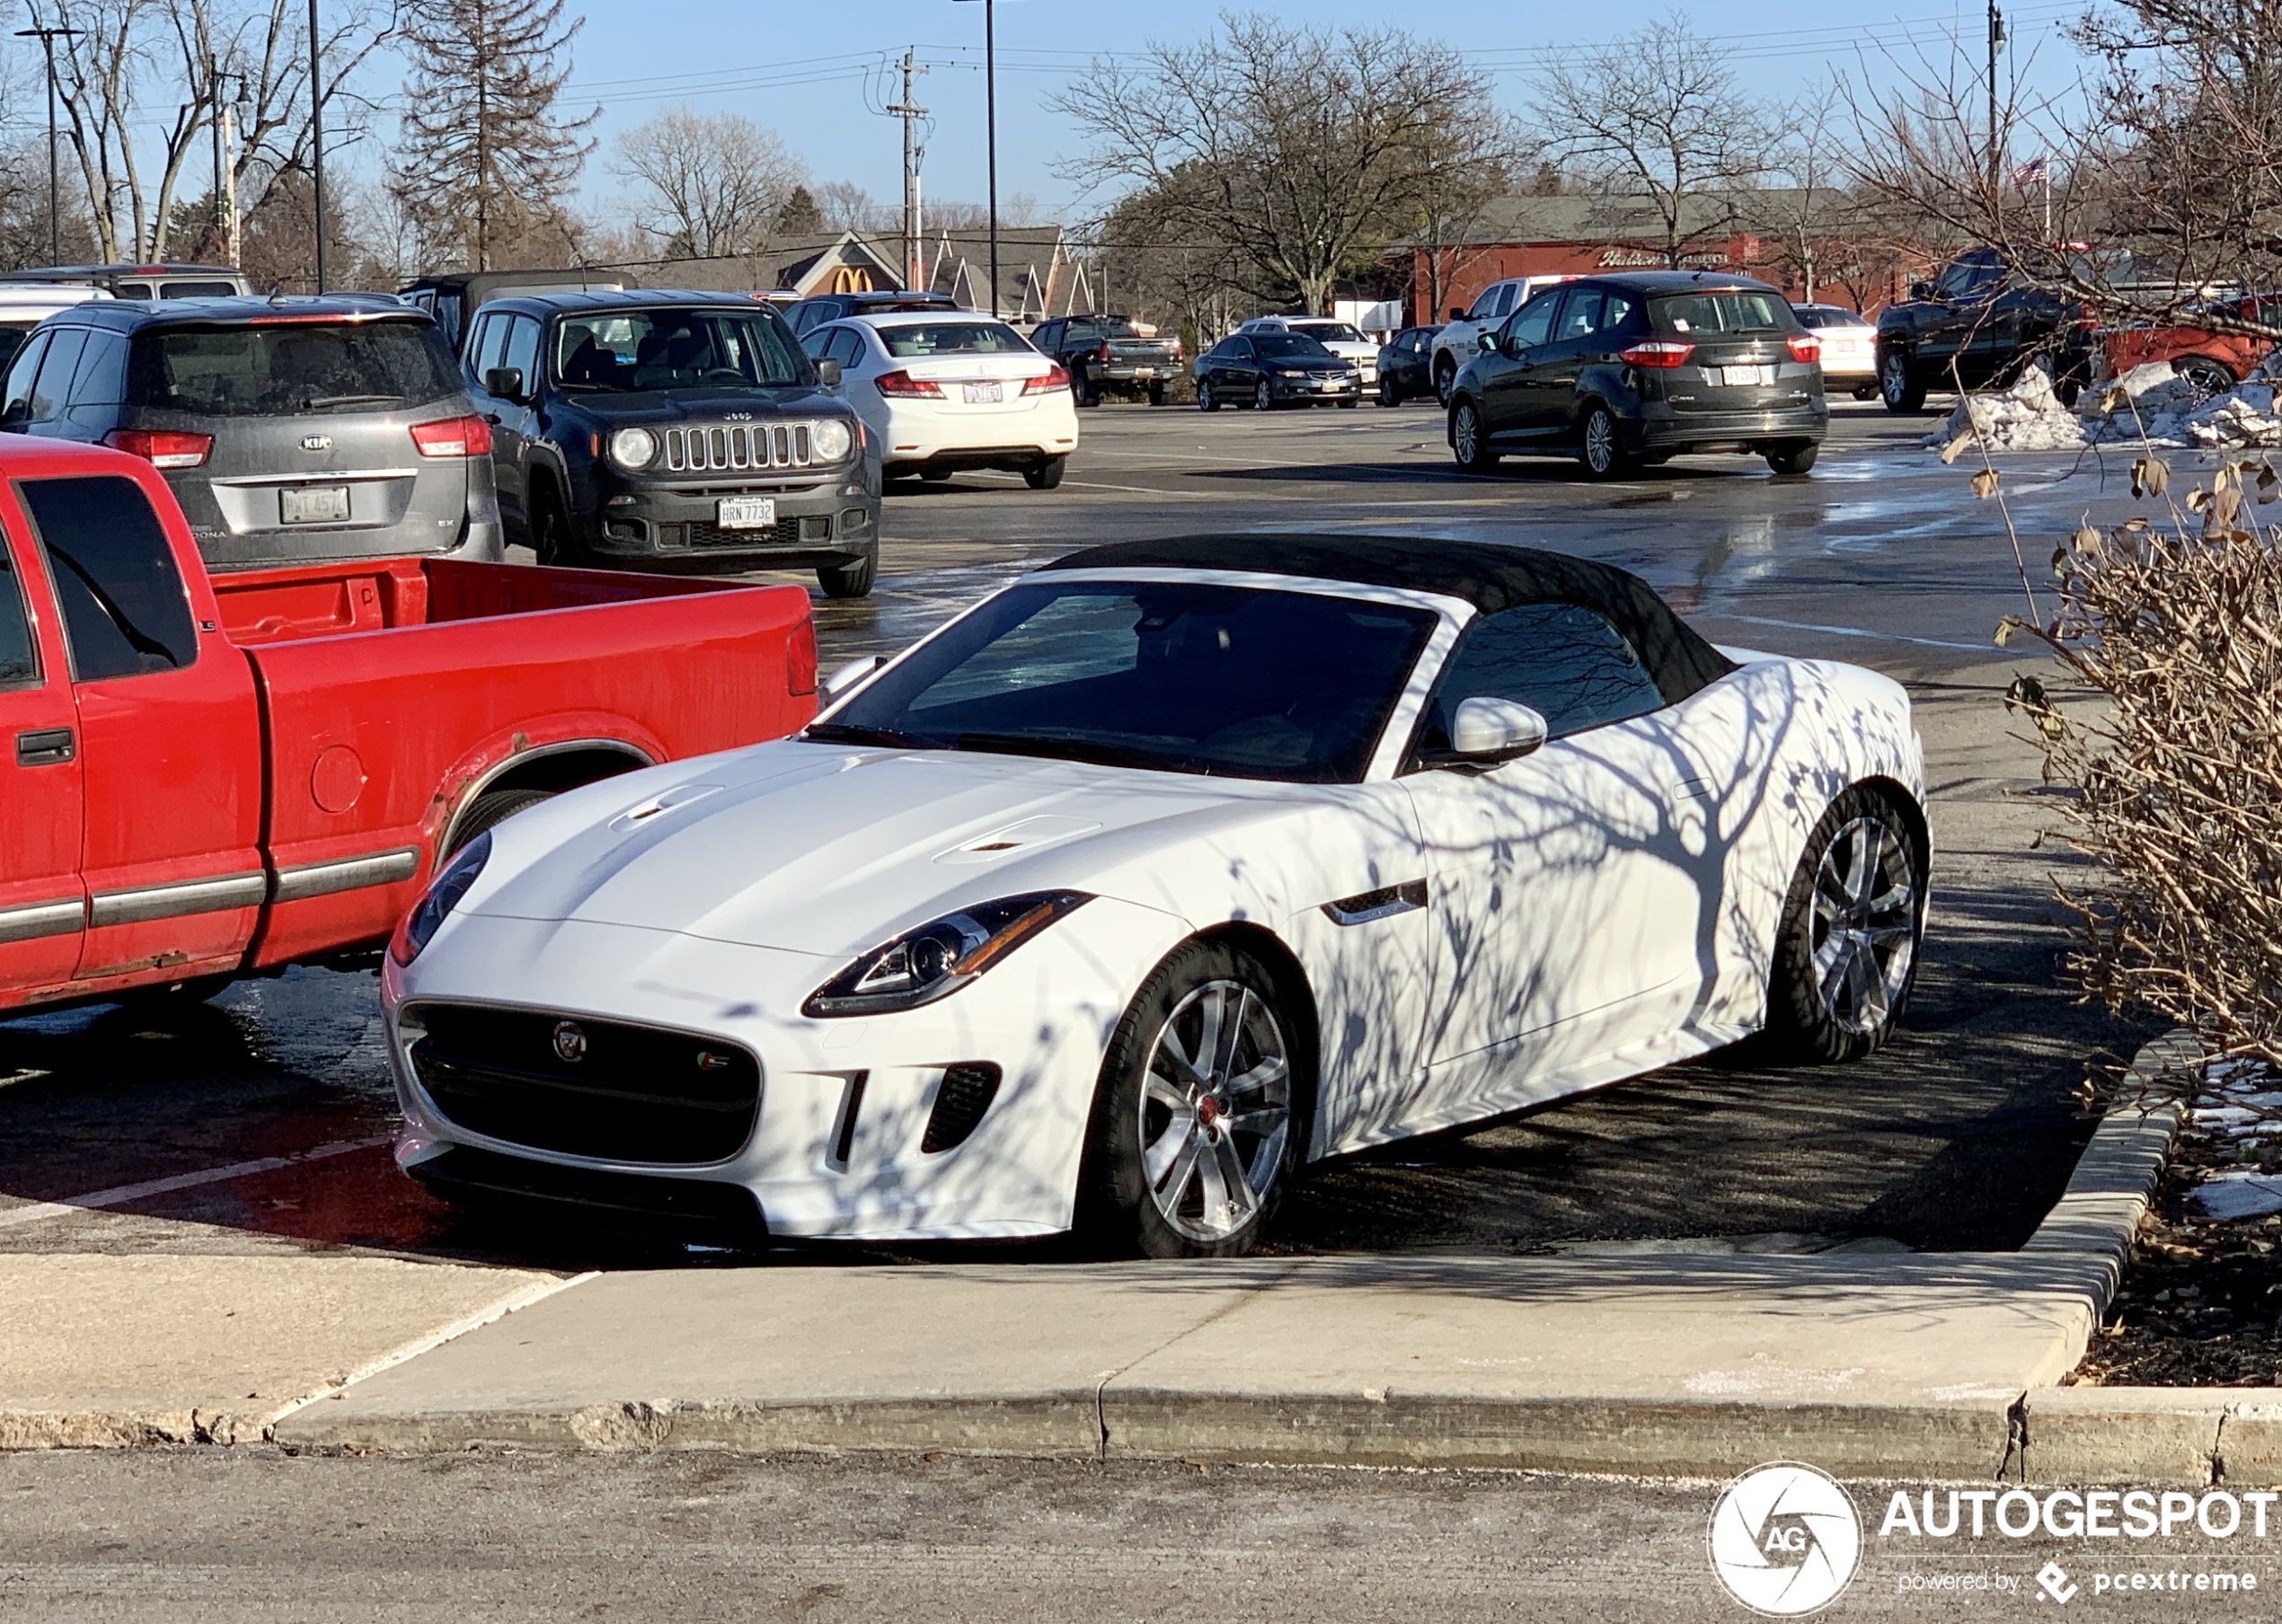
<point>1785,1540</point>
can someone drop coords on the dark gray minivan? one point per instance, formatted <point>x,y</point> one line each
<point>291,430</point>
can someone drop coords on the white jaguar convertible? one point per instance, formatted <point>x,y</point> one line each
<point>1166,870</point>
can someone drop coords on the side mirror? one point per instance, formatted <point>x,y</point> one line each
<point>18,414</point>
<point>504,384</point>
<point>1457,313</point>
<point>1921,290</point>
<point>848,678</point>
<point>827,373</point>
<point>1487,730</point>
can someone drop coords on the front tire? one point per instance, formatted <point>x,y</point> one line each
<point>1387,395</point>
<point>1446,380</point>
<point>552,537</point>
<point>1201,1110</point>
<point>1263,399</point>
<point>1900,391</point>
<point>850,580</point>
<point>1205,398</point>
<point>1846,950</point>
<point>1470,439</point>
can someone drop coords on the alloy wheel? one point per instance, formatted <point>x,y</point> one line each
<point>1600,442</point>
<point>1465,434</point>
<point>1215,1111</point>
<point>1862,929</point>
<point>1264,398</point>
<point>1894,377</point>
<point>1203,397</point>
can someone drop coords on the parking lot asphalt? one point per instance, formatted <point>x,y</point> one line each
<point>259,1122</point>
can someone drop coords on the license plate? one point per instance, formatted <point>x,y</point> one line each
<point>1145,372</point>
<point>314,505</point>
<point>745,513</point>
<point>1746,377</point>
<point>988,393</point>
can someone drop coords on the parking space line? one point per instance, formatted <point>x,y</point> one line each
<point>123,1194</point>
<point>1883,636</point>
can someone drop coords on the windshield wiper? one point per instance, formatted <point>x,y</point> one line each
<point>1064,749</point>
<point>855,733</point>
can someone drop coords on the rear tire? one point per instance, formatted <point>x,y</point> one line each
<point>1157,394</point>
<point>2206,376</point>
<point>1846,950</point>
<point>1201,1110</point>
<point>935,476</point>
<point>1793,459</point>
<point>1600,447</point>
<point>1470,439</point>
<point>490,810</point>
<point>1082,389</point>
<point>1047,475</point>
<point>850,580</point>
<point>1900,391</point>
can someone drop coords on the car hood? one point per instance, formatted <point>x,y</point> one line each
<point>830,850</point>
<point>706,405</point>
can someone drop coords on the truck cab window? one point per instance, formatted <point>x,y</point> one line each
<point>125,613</point>
<point>19,664</point>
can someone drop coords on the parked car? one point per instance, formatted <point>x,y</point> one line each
<point>660,429</point>
<point>1849,347</point>
<point>453,299</point>
<point>1270,369</point>
<point>24,308</point>
<point>1626,370</point>
<point>941,393</point>
<point>216,777</point>
<point>1406,366</point>
<point>815,311</point>
<point>1109,355</point>
<point>1461,337</point>
<point>144,281</point>
<point>290,430</point>
<point>1342,338</point>
<point>1160,873</point>
<point>2214,362</point>
<point>1977,323</point>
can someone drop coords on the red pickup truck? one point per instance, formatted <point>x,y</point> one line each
<point>206,778</point>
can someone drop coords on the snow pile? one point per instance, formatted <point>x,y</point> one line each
<point>2244,1112</point>
<point>2027,417</point>
<point>2150,404</point>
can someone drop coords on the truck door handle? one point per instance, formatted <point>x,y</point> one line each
<point>44,747</point>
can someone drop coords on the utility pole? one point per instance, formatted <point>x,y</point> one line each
<point>48,38</point>
<point>909,110</point>
<point>317,136</point>
<point>214,83</point>
<point>990,125</point>
<point>1996,155</point>
<point>230,178</point>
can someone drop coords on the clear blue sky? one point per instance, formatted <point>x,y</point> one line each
<point>803,68</point>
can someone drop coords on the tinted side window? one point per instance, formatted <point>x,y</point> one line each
<point>1563,661</point>
<point>1505,296</point>
<point>124,611</point>
<point>1048,335</point>
<point>1535,325</point>
<point>522,351</point>
<point>102,378</point>
<point>846,346</point>
<point>25,367</point>
<point>1617,311</point>
<point>483,346</point>
<point>19,664</point>
<point>1580,317</point>
<point>51,390</point>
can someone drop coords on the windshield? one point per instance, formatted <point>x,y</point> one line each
<point>291,367</point>
<point>1827,316</point>
<point>1290,345</point>
<point>1183,677</point>
<point>1332,333</point>
<point>1731,312</point>
<point>920,340</point>
<point>646,349</point>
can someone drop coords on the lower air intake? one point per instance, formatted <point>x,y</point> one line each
<point>965,1095</point>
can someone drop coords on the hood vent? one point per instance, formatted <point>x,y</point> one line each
<point>1025,835</point>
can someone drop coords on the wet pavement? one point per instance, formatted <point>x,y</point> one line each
<point>1957,1136</point>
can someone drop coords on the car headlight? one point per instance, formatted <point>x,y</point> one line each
<point>940,957</point>
<point>442,896</point>
<point>632,448</point>
<point>829,439</point>
<point>1288,372</point>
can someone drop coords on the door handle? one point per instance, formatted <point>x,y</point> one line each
<point>44,747</point>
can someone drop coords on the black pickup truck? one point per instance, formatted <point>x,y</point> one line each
<point>1107,354</point>
<point>1979,323</point>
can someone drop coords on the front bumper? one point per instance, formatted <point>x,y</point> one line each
<point>1346,388</point>
<point>829,521</point>
<point>837,1148</point>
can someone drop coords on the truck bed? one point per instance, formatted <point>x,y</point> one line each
<point>263,606</point>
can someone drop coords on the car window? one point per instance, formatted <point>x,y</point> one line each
<point>917,340</point>
<point>51,390</point>
<point>1238,349</point>
<point>1048,335</point>
<point>1533,325</point>
<point>484,344</point>
<point>1563,660</point>
<point>1507,295</point>
<point>846,346</point>
<point>18,658</point>
<point>1737,310</point>
<point>1329,332</point>
<point>124,610</point>
<point>131,290</point>
<point>662,347</point>
<point>102,377</point>
<point>1183,677</point>
<point>197,290</point>
<point>294,366</point>
<point>17,407</point>
<point>522,350</point>
<point>1291,346</point>
<point>1958,278</point>
<point>1580,315</point>
<point>13,335</point>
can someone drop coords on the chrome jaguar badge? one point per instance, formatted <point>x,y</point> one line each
<point>317,442</point>
<point>569,1042</point>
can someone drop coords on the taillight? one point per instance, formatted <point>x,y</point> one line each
<point>1052,381</point>
<point>800,664</point>
<point>162,447</point>
<point>1177,351</point>
<point>1661,354</point>
<point>1805,347</point>
<point>1102,354</point>
<point>454,437</point>
<point>903,386</point>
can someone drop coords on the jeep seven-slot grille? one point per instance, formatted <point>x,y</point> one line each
<point>587,1088</point>
<point>736,446</point>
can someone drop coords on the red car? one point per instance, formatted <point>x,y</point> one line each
<point>207,778</point>
<point>2215,361</point>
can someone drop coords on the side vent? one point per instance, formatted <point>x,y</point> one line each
<point>965,1095</point>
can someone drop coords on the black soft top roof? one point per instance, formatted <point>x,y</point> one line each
<point>1489,576</point>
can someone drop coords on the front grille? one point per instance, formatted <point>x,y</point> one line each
<point>587,1088</point>
<point>640,1200</point>
<point>736,446</point>
<point>816,527</point>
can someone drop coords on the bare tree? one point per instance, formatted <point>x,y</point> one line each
<point>1296,147</point>
<point>1656,119</point>
<point>844,205</point>
<point>712,183</point>
<point>486,161</point>
<point>1813,214</point>
<point>1463,158</point>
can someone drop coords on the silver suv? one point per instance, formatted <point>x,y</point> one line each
<point>292,430</point>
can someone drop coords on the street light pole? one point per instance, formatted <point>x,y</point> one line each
<point>317,136</point>
<point>48,38</point>
<point>990,136</point>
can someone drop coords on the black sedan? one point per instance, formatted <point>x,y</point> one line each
<point>1272,369</point>
<point>1406,366</point>
<point>1632,370</point>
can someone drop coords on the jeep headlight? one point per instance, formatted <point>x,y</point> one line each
<point>633,449</point>
<point>940,957</point>
<point>829,439</point>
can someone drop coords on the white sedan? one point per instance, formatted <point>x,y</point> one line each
<point>944,392</point>
<point>1849,347</point>
<point>1164,871</point>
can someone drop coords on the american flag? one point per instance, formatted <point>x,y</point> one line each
<point>2031,172</point>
